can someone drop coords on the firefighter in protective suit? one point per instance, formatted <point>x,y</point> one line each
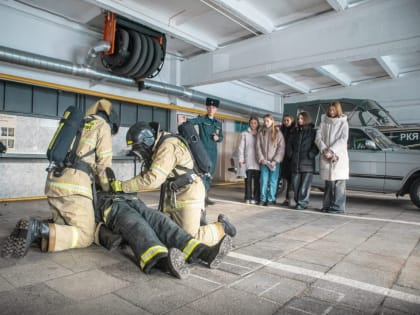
<point>154,238</point>
<point>167,159</point>
<point>69,191</point>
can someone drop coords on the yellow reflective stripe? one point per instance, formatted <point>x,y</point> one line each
<point>160,170</point>
<point>75,236</point>
<point>150,254</point>
<point>106,213</point>
<point>60,126</point>
<point>187,163</point>
<point>189,248</point>
<point>104,153</point>
<point>90,142</point>
<point>70,187</point>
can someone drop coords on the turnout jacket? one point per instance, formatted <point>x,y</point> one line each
<point>302,150</point>
<point>95,148</point>
<point>172,152</point>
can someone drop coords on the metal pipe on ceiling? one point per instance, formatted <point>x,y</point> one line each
<point>101,46</point>
<point>23,58</point>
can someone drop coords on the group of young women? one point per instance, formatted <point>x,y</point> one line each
<point>267,152</point>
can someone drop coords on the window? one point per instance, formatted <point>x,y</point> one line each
<point>39,101</point>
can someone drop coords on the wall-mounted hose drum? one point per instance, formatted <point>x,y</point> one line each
<point>138,51</point>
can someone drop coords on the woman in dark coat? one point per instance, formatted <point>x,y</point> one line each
<point>302,151</point>
<point>286,128</point>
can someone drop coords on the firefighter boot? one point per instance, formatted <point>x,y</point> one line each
<point>214,255</point>
<point>228,227</point>
<point>108,239</point>
<point>176,264</point>
<point>25,233</point>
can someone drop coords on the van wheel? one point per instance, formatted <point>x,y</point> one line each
<point>415,192</point>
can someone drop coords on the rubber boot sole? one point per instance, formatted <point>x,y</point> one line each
<point>224,246</point>
<point>16,244</point>
<point>177,265</point>
<point>227,225</point>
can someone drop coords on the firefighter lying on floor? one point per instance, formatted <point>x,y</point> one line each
<point>154,238</point>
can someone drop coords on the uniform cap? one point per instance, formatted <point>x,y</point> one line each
<point>212,102</point>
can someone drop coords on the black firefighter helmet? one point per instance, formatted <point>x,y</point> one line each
<point>142,136</point>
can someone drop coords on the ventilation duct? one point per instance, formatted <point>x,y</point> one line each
<point>27,59</point>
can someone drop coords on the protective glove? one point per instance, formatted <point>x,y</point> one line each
<point>116,186</point>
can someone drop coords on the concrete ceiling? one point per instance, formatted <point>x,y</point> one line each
<point>285,47</point>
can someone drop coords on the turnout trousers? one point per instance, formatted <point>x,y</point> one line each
<point>73,222</point>
<point>148,232</point>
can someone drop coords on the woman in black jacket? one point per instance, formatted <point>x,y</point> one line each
<point>302,151</point>
<point>286,128</point>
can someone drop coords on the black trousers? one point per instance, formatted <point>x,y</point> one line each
<point>252,185</point>
<point>148,232</point>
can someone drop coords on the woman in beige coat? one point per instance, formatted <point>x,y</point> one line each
<point>270,152</point>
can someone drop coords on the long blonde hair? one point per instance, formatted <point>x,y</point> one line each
<point>273,129</point>
<point>338,108</point>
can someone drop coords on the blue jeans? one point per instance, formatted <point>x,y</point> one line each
<point>335,195</point>
<point>268,183</point>
<point>301,183</point>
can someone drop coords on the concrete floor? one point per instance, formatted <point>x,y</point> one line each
<point>284,261</point>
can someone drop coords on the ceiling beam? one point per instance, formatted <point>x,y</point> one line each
<point>245,13</point>
<point>362,32</point>
<point>132,10</point>
<point>333,73</point>
<point>338,5</point>
<point>289,81</point>
<point>390,67</point>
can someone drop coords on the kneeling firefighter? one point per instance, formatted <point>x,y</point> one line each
<point>167,160</point>
<point>154,238</point>
<point>70,188</point>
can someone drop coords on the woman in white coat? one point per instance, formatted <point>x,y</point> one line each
<point>331,140</point>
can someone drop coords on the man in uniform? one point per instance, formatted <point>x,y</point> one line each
<point>69,191</point>
<point>167,159</point>
<point>211,133</point>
